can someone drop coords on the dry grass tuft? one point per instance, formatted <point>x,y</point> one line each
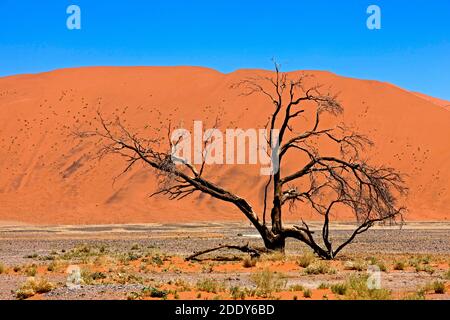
<point>249,262</point>
<point>268,282</point>
<point>33,286</point>
<point>306,259</point>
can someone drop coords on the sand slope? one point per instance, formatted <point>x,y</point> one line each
<point>47,176</point>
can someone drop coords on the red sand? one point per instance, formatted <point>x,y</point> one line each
<point>46,177</point>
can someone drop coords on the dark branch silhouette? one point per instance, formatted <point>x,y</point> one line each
<point>327,184</point>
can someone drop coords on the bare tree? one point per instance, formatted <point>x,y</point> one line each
<point>326,183</point>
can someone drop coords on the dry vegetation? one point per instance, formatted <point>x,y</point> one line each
<point>157,275</point>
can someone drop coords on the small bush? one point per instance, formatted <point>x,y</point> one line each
<point>268,282</point>
<point>357,289</point>
<point>307,293</point>
<point>31,271</point>
<point>157,260</point>
<point>33,286</point>
<point>296,287</point>
<point>182,285</point>
<point>447,275</point>
<point>413,261</point>
<point>339,288</point>
<point>419,295</point>
<point>323,286</point>
<point>358,265</point>
<point>47,258</point>
<point>382,266</point>
<point>209,285</point>
<point>399,265</point>
<point>318,268</point>
<point>53,266</point>
<point>421,263</point>
<point>426,268</point>
<point>125,278</point>
<point>154,292</point>
<point>248,262</point>
<point>238,293</point>
<point>90,277</point>
<point>273,257</point>
<point>439,287</point>
<point>306,259</point>
<point>133,296</point>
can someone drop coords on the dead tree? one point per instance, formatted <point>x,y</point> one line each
<point>327,184</point>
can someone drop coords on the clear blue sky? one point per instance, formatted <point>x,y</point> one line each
<point>411,50</point>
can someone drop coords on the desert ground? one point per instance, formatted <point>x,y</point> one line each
<point>148,261</point>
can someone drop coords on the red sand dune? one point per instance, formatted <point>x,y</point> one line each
<point>47,177</point>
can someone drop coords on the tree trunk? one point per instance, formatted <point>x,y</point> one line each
<point>276,219</point>
<point>276,210</point>
<point>277,243</point>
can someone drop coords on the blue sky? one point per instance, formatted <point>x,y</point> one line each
<point>411,50</point>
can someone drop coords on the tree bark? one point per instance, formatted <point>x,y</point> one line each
<point>275,243</point>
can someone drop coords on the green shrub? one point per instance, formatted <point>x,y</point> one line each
<point>426,268</point>
<point>382,266</point>
<point>339,288</point>
<point>274,256</point>
<point>358,265</point>
<point>419,295</point>
<point>238,293</point>
<point>399,265</point>
<point>447,275</point>
<point>248,262</point>
<point>268,282</point>
<point>90,277</point>
<point>31,270</point>
<point>439,287</point>
<point>133,296</point>
<point>307,293</point>
<point>357,289</point>
<point>323,286</point>
<point>157,260</point>
<point>33,286</point>
<point>154,292</point>
<point>296,287</point>
<point>306,259</point>
<point>209,285</point>
<point>318,268</point>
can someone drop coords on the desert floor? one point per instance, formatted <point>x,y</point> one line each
<point>148,262</point>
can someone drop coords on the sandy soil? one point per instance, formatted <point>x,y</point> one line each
<point>50,177</point>
<point>124,261</point>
